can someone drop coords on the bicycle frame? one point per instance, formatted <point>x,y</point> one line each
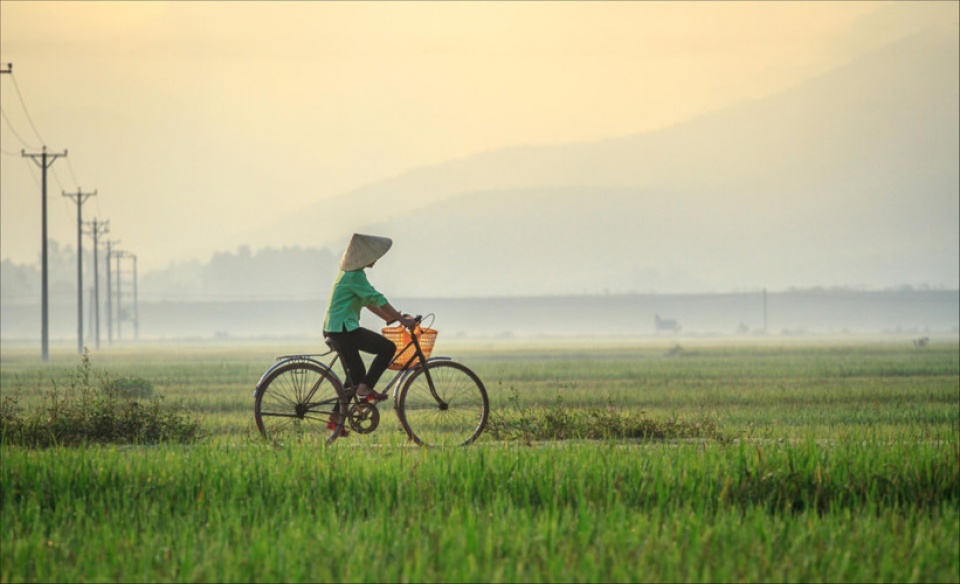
<point>393,386</point>
<point>305,388</point>
<point>419,354</point>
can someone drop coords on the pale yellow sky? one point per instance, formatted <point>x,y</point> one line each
<point>181,111</point>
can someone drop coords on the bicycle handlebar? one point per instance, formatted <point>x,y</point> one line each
<point>418,319</point>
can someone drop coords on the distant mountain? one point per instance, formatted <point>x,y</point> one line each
<point>848,179</point>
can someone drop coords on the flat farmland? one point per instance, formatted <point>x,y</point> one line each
<point>794,460</point>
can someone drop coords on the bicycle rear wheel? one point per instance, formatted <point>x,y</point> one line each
<point>443,404</point>
<point>297,401</point>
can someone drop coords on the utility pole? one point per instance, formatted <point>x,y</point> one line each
<point>79,198</point>
<point>119,254</point>
<point>92,314</point>
<point>109,293</point>
<point>96,230</point>
<point>764,311</point>
<point>136,303</point>
<point>46,160</point>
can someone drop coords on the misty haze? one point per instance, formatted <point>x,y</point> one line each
<point>688,273</point>
<point>828,205</point>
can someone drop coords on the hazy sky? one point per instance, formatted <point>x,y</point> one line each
<point>197,120</point>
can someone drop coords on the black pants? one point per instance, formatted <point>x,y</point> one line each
<point>349,345</point>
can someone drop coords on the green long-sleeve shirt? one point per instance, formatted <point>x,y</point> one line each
<point>351,292</point>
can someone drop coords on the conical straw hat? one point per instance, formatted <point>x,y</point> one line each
<point>363,250</point>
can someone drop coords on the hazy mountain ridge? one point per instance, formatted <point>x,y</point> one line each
<point>674,156</point>
<point>855,171</point>
<point>856,168</point>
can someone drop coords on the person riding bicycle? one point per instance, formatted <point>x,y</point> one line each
<point>351,292</point>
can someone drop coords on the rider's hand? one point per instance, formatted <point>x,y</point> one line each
<point>408,321</point>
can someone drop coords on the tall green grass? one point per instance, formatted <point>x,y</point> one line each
<point>592,512</point>
<point>768,389</point>
<point>820,463</point>
<point>95,408</point>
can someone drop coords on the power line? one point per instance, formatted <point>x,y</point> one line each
<point>9,69</point>
<point>72,174</point>
<point>24,104</point>
<point>14,130</point>
<point>23,141</point>
<point>56,177</point>
<point>33,173</point>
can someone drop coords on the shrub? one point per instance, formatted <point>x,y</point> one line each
<point>560,422</point>
<point>105,410</point>
<point>129,387</point>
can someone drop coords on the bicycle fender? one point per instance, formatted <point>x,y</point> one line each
<point>293,359</point>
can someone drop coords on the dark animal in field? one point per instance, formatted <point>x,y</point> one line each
<point>663,324</point>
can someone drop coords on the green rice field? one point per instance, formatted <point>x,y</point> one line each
<point>833,460</point>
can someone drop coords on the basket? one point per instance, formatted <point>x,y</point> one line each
<point>401,338</point>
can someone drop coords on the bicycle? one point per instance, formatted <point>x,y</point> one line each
<point>439,401</point>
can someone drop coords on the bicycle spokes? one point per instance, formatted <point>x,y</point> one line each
<point>443,404</point>
<point>297,398</point>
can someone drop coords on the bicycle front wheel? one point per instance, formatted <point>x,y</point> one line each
<point>297,402</point>
<point>443,404</point>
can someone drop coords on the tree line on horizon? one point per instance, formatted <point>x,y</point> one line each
<point>282,273</point>
<point>285,273</point>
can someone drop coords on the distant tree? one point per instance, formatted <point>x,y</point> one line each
<point>18,282</point>
<point>269,273</point>
<point>21,282</point>
<point>289,272</point>
<point>178,281</point>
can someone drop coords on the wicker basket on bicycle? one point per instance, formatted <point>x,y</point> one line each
<point>401,338</point>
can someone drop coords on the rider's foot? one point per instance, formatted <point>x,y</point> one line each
<point>332,425</point>
<point>364,393</point>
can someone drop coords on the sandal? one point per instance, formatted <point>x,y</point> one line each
<point>332,426</point>
<point>372,397</point>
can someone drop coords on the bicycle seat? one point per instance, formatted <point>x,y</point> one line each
<point>330,344</point>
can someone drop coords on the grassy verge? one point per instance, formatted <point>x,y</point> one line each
<point>809,464</point>
<point>585,512</point>
<point>95,408</point>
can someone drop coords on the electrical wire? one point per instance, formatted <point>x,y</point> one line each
<point>33,172</point>
<point>96,202</point>
<point>14,130</point>
<point>56,177</point>
<point>23,104</point>
<point>33,125</point>
<point>72,174</point>
<point>25,111</point>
